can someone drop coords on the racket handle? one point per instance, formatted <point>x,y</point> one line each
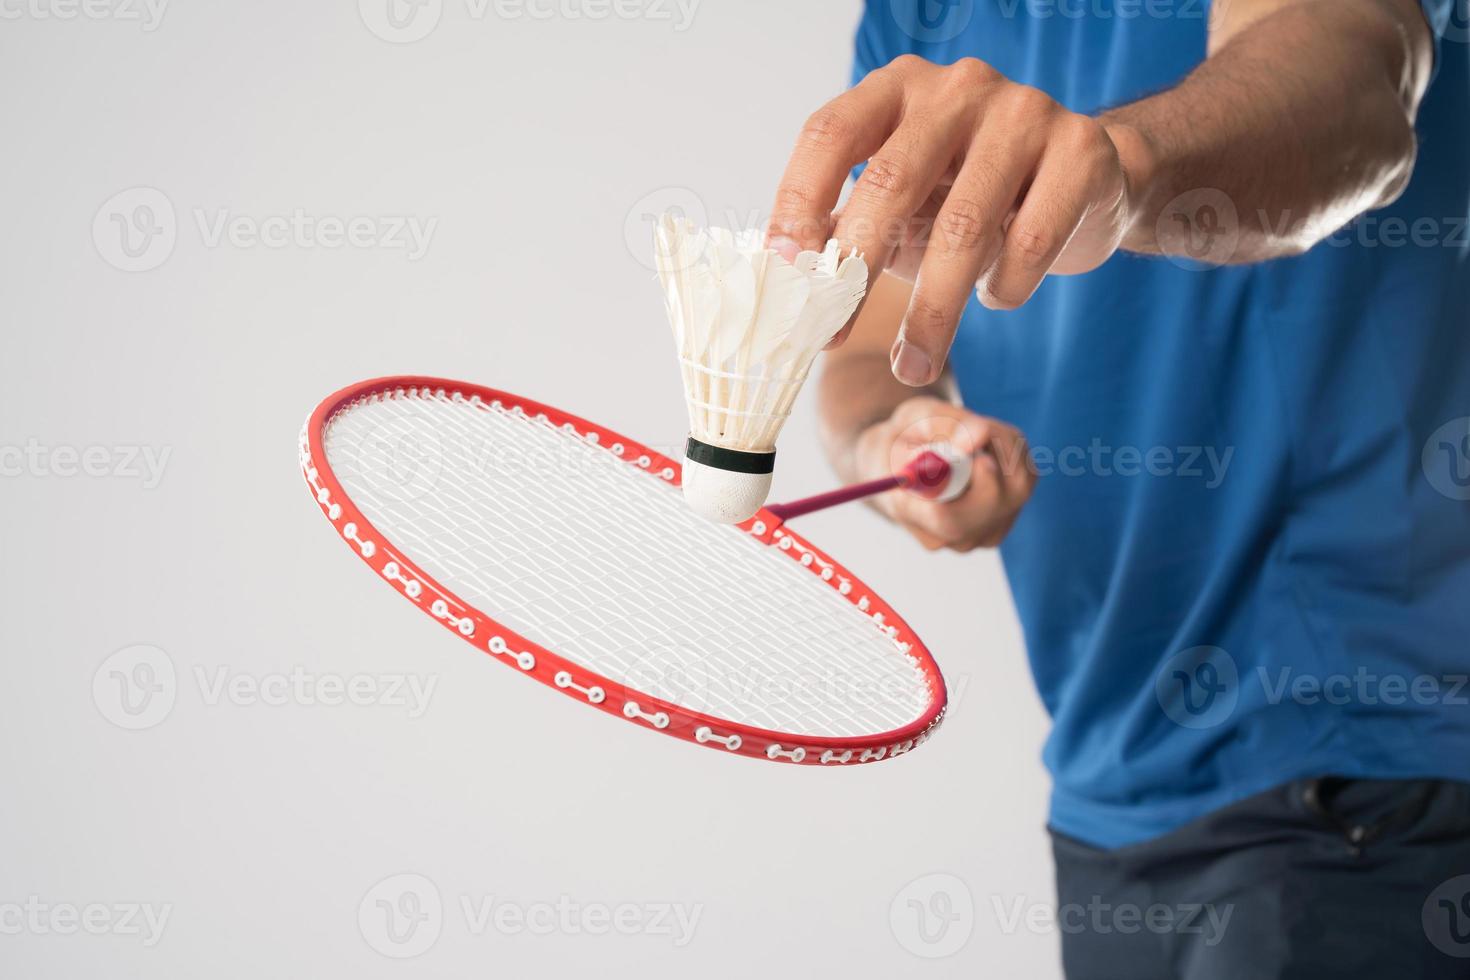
<point>929,474</point>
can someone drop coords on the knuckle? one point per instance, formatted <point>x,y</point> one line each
<point>983,179</point>
<point>1085,138</point>
<point>1002,296</point>
<point>887,176</point>
<point>907,63</point>
<point>969,73</point>
<point>1032,246</point>
<point>794,200</point>
<point>961,225</point>
<point>927,318</point>
<point>1029,103</point>
<point>826,128</point>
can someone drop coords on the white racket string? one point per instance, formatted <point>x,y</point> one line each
<point>587,555</point>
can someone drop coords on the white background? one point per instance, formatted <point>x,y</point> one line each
<point>538,145</point>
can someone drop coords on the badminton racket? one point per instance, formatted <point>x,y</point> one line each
<point>566,551</point>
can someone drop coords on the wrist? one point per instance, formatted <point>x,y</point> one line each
<point>1138,157</point>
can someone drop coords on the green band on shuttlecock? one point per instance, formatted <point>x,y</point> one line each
<point>733,460</point>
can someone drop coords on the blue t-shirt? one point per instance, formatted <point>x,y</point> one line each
<point>1247,559</point>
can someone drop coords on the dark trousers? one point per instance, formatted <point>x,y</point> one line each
<point>1320,879</point>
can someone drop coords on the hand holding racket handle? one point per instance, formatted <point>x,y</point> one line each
<point>931,475</point>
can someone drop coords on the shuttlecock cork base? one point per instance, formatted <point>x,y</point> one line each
<point>726,485</point>
<point>747,324</point>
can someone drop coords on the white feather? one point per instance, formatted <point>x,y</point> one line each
<point>748,324</point>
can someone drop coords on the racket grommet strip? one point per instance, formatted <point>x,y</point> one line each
<point>704,734</point>
<point>658,719</point>
<point>593,694</point>
<point>830,756</point>
<point>524,660</point>
<point>393,573</point>
<point>774,751</point>
<point>349,531</point>
<point>464,624</point>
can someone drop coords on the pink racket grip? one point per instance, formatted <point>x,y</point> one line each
<point>938,477</point>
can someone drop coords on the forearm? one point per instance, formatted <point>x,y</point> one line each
<point>856,391</point>
<point>1302,118</point>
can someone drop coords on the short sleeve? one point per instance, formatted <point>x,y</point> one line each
<point>872,49</point>
<point>1443,16</point>
<point>870,46</point>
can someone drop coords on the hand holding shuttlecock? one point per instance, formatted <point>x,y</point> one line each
<point>747,323</point>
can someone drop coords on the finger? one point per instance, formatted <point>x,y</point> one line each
<point>1055,206</point>
<point>904,261</point>
<point>841,134</point>
<point>973,516</point>
<point>966,237</point>
<point>1010,455</point>
<point>896,183</point>
<point>923,422</point>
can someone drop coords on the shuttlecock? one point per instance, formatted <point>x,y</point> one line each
<point>747,324</point>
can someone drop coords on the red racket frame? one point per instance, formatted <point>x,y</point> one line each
<point>571,678</point>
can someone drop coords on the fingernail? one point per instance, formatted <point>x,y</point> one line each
<point>910,364</point>
<point>785,247</point>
